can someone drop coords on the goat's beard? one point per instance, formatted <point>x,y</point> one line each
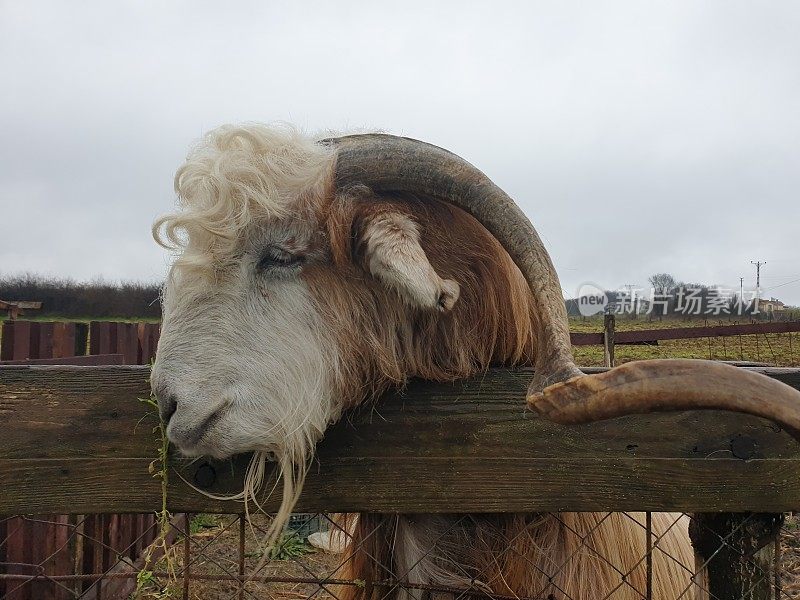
<point>290,474</point>
<point>291,460</point>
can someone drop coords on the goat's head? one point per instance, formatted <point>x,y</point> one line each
<point>297,295</point>
<point>314,274</point>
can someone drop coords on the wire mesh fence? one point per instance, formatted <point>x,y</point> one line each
<point>550,556</point>
<point>746,344</point>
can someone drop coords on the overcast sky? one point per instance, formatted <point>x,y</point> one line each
<point>638,136</point>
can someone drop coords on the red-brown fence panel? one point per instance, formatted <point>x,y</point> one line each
<point>128,342</point>
<point>148,341</point>
<point>116,338</point>
<point>41,340</point>
<point>15,557</point>
<point>16,342</point>
<point>100,338</point>
<point>63,340</point>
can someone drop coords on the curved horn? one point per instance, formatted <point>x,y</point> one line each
<point>669,384</point>
<point>393,164</point>
<point>559,390</point>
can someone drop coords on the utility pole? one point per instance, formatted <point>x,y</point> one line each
<point>758,264</point>
<point>741,295</point>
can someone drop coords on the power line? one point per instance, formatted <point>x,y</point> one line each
<point>773,276</point>
<point>781,284</point>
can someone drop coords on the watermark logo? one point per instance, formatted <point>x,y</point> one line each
<point>684,300</point>
<point>592,300</point>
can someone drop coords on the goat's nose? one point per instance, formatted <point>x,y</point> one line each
<point>167,405</point>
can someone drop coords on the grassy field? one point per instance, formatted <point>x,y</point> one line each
<point>781,349</point>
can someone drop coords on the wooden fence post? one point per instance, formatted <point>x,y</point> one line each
<point>737,550</point>
<point>608,339</point>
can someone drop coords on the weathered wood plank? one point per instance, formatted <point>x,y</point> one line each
<point>419,485</point>
<point>80,441</point>
<point>74,412</point>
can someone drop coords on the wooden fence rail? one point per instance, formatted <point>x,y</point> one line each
<point>684,333</point>
<point>80,440</point>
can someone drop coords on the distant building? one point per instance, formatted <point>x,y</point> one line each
<point>772,305</point>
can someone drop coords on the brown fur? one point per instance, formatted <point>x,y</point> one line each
<point>491,322</point>
<point>525,555</point>
<point>579,556</point>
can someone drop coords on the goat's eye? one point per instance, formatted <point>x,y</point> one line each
<point>278,258</point>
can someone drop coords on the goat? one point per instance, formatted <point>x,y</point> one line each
<point>314,275</point>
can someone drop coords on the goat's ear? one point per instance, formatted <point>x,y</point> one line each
<point>388,245</point>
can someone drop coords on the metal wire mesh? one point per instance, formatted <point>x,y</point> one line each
<point>554,556</point>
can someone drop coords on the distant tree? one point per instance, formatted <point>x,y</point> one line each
<point>662,283</point>
<point>61,297</point>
